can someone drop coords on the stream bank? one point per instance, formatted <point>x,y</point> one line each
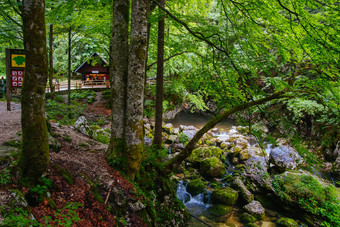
<point>231,160</point>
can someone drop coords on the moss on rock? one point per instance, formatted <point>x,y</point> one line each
<point>201,153</point>
<point>196,186</point>
<point>219,210</point>
<point>287,222</point>
<point>247,218</point>
<point>226,196</point>
<point>212,167</point>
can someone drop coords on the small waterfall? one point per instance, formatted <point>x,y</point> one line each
<point>194,204</point>
<point>182,193</point>
<point>269,148</point>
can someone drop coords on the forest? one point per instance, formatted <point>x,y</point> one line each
<point>215,113</point>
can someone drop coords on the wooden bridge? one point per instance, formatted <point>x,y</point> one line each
<point>63,86</point>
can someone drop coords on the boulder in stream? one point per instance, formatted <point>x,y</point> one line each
<point>196,186</point>
<point>256,169</point>
<point>284,158</point>
<point>226,196</point>
<point>319,199</point>
<point>245,194</point>
<point>287,222</point>
<point>201,153</point>
<point>218,210</point>
<point>256,209</point>
<point>212,167</point>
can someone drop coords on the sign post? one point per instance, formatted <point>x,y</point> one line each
<point>15,70</point>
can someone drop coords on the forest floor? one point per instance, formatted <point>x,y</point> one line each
<point>75,177</point>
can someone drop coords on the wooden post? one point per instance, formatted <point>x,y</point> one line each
<point>8,79</point>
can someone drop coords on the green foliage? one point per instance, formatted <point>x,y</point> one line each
<point>182,138</point>
<point>311,195</point>
<point>66,216</point>
<point>19,217</point>
<point>5,176</point>
<point>149,106</point>
<point>88,95</point>
<point>300,108</point>
<point>63,113</point>
<point>43,187</point>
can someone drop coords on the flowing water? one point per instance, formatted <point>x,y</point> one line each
<point>198,120</point>
<point>198,206</point>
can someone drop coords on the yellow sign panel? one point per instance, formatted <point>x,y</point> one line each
<point>18,60</point>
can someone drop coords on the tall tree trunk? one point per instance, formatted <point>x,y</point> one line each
<point>159,86</point>
<point>34,156</point>
<point>134,135</point>
<point>69,68</point>
<point>118,80</point>
<point>172,164</point>
<point>50,78</point>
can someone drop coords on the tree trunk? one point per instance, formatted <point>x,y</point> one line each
<point>118,81</point>
<point>51,62</point>
<point>159,86</point>
<point>134,135</point>
<point>69,68</point>
<point>172,164</point>
<point>34,156</point>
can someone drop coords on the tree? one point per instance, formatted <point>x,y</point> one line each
<point>34,155</point>
<point>50,76</point>
<point>118,81</point>
<point>127,137</point>
<point>159,87</point>
<point>134,134</point>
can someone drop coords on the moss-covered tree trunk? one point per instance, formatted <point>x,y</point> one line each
<point>118,81</point>
<point>34,156</point>
<point>135,90</point>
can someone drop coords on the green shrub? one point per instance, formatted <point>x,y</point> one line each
<point>62,113</point>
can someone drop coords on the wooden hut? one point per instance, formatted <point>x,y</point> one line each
<point>94,69</point>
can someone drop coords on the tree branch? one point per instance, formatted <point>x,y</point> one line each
<point>199,36</point>
<point>172,164</point>
<point>167,59</point>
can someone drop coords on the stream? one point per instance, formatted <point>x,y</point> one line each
<point>198,206</point>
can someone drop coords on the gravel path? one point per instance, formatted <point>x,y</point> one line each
<point>10,122</point>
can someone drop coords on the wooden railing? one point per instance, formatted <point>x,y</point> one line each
<point>78,85</point>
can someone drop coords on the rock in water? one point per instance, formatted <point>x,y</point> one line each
<point>284,158</point>
<point>256,209</point>
<point>256,169</point>
<point>226,196</point>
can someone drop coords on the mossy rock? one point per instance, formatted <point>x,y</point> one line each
<point>196,187</point>
<point>308,192</point>
<point>226,196</point>
<point>247,218</point>
<point>212,167</point>
<point>287,222</point>
<point>201,153</point>
<point>219,210</point>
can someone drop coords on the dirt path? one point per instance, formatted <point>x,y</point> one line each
<point>10,122</point>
